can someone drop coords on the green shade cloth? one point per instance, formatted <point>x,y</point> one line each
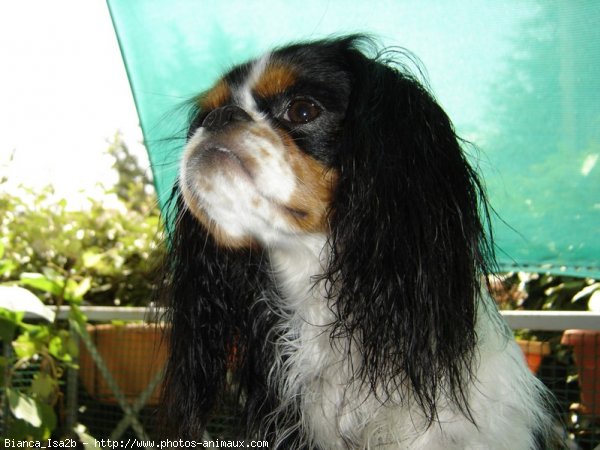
<point>520,79</point>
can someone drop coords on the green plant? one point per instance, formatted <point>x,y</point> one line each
<point>33,371</point>
<point>41,350</point>
<point>545,292</point>
<point>112,243</point>
<point>104,253</point>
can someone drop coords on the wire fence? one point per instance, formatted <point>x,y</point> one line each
<point>115,391</point>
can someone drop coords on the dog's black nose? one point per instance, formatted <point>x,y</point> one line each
<point>221,117</point>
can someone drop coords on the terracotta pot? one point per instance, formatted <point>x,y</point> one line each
<point>133,353</point>
<point>534,352</point>
<point>586,350</point>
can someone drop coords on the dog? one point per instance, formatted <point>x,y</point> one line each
<point>328,242</point>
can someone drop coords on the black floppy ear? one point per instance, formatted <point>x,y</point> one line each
<point>209,291</point>
<point>408,244</point>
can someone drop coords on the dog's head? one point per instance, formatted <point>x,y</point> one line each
<point>262,161</point>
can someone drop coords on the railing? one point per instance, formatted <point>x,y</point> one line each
<point>535,320</point>
<point>114,402</point>
<point>552,320</point>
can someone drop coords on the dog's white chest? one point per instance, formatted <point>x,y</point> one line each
<point>313,374</point>
<point>311,370</point>
<point>314,377</point>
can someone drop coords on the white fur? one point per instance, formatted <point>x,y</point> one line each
<point>338,414</point>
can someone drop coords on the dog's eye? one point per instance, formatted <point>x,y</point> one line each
<point>302,111</point>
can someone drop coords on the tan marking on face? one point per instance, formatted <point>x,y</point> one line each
<point>310,203</point>
<point>216,97</point>
<point>275,79</point>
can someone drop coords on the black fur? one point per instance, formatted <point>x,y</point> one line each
<point>408,248</point>
<point>408,204</point>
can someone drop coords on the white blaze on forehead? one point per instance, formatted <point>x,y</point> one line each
<point>243,94</point>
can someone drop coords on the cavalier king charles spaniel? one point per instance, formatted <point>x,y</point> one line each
<point>327,247</point>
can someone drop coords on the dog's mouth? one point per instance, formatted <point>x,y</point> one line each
<point>237,166</point>
<point>224,159</point>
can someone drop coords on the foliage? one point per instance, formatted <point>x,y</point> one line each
<point>104,253</point>
<point>33,373</point>
<point>112,243</point>
<point>545,292</point>
<point>134,186</point>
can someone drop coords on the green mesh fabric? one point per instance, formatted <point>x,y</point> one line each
<point>519,79</point>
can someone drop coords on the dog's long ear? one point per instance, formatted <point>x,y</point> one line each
<point>408,244</point>
<point>208,291</point>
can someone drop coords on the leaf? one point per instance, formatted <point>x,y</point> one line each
<point>75,291</point>
<point>43,283</point>
<point>83,287</point>
<point>7,266</point>
<point>25,347</point>
<point>55,347</point>
<point>25,432</point>
<point>9,321</point>
<point>15,317</point>
<point>60,346</point>
<point>24,407</point>
<point>44,387</point>
<point>594,302</point>
<point>32,341</point>
<point>48,417</point>
<point>14,298</point>
<point>7,330</point>
<point>92,258</point>
<point>586,291</point>
<point>19,429</point>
